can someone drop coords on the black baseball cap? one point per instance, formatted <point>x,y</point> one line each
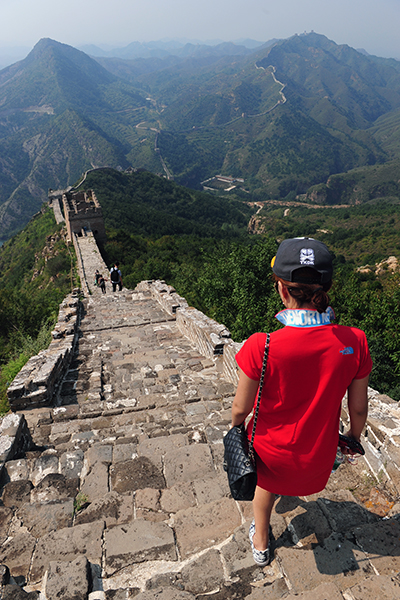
<point>296,253</point>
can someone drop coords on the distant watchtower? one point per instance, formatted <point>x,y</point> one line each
<point>83,213</point>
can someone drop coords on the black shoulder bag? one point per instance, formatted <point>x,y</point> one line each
<point>239,455</point>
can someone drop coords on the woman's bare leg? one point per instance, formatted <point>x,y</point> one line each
<point>262,508</point>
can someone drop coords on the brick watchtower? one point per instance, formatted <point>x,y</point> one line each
<point>83,213</point>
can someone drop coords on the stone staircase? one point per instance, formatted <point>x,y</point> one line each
<point>121,492</point>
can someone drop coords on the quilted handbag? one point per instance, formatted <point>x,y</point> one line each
<point>239,456</point>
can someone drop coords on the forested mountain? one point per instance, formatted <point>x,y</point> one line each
<point>283,117</point>
<point>60,114</point>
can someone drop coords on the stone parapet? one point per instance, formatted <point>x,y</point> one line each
<point>37,382</point>
<point>163,293</point>
<point>230,368</point>
<point>207,335</point>
<point>81,266</point>
<point>381,437</point>
<point>14,438</point>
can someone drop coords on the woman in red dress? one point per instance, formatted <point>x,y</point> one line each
<point>311,364</point>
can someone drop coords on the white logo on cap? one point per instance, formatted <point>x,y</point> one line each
<point>307,256</point>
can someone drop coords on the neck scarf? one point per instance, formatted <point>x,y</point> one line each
<point>300,317</point>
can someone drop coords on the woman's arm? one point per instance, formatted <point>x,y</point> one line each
<point>357,401</point>
<point>244,398</point>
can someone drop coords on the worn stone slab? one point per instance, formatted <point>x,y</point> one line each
<point>46,464</point>
<point>14,470</point>
<point>156,448</point>
<point>204,526</point>
<point>55,487</point>
<point>43,518</point>
<point>382,587</point>
<point>66,545</point>
<point>381,543</point>
<point>237,552</point>
<point>15,592</point>
<point>17,554</point>
<point>68,580</point>
<point>99,453</point>
<point>95,483</point>
<point>325,591</point>
<point>136,542</point>
<point>177,498</point>
<point>308,524</point>
<point>188,464</point>
<point>337,560</point>
<point>166,593</point>
<point>344,516</point>
<point>5,520</point>
<point>124,451</point>
<point>113,508</point>
<point>16,493</point>
<point>135,474</point>
<point>211,489</point>
<point>205,574</point>
<point>71,463</point>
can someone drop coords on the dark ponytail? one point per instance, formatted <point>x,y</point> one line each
<point>308,293</point>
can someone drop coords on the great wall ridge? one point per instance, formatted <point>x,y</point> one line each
<point>112,478</point>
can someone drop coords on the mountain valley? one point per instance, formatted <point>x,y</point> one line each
<point>284,117</point>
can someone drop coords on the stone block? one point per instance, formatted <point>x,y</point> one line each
<point>68,580</point>
<point>177,498</point>
<point>55,487</point>
<point>382,587</point>
<point>66,545</point>
<point>135,474</point>
<point>204,575</point>
<point>164,593</point>
<point>13,591</point>
<point>211,489</point>
<point>148,498</point>
<point>381,543</point>
<point>136,542</point>
<point>188,464</point>
<point>336,560</point>
<point>5,520</point>
<point>44,465</point>
<point>113,508</point>
<point>41,519</point>
<point>15,470</point>
<point>16,493</point>
<point>95,483</point>
<point>124,451</point>
<point>205,526</point>
<point>237,552</point>
<point>17,554</point>
<point>99,453</point>
<point>71,463</point>
<point>308,524</point>
<point>325,591</point>
<point>344,516</point>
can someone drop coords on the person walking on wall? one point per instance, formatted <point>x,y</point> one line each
<point>311,364</point>
<point>100,281</point>
<point>116,277</point>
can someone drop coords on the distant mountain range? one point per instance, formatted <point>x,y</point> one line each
<point>162,49</point>
<point>282,116</point>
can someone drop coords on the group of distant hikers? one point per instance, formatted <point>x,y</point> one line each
<point>115,278</point>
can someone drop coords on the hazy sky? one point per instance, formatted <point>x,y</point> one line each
<point>369,24</point>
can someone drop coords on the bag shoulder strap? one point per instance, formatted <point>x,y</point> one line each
<point>260,387</point>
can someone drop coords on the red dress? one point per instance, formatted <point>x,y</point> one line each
<point>309,370</point>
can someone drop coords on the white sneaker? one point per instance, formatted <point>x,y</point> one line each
<point>261,557</point>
